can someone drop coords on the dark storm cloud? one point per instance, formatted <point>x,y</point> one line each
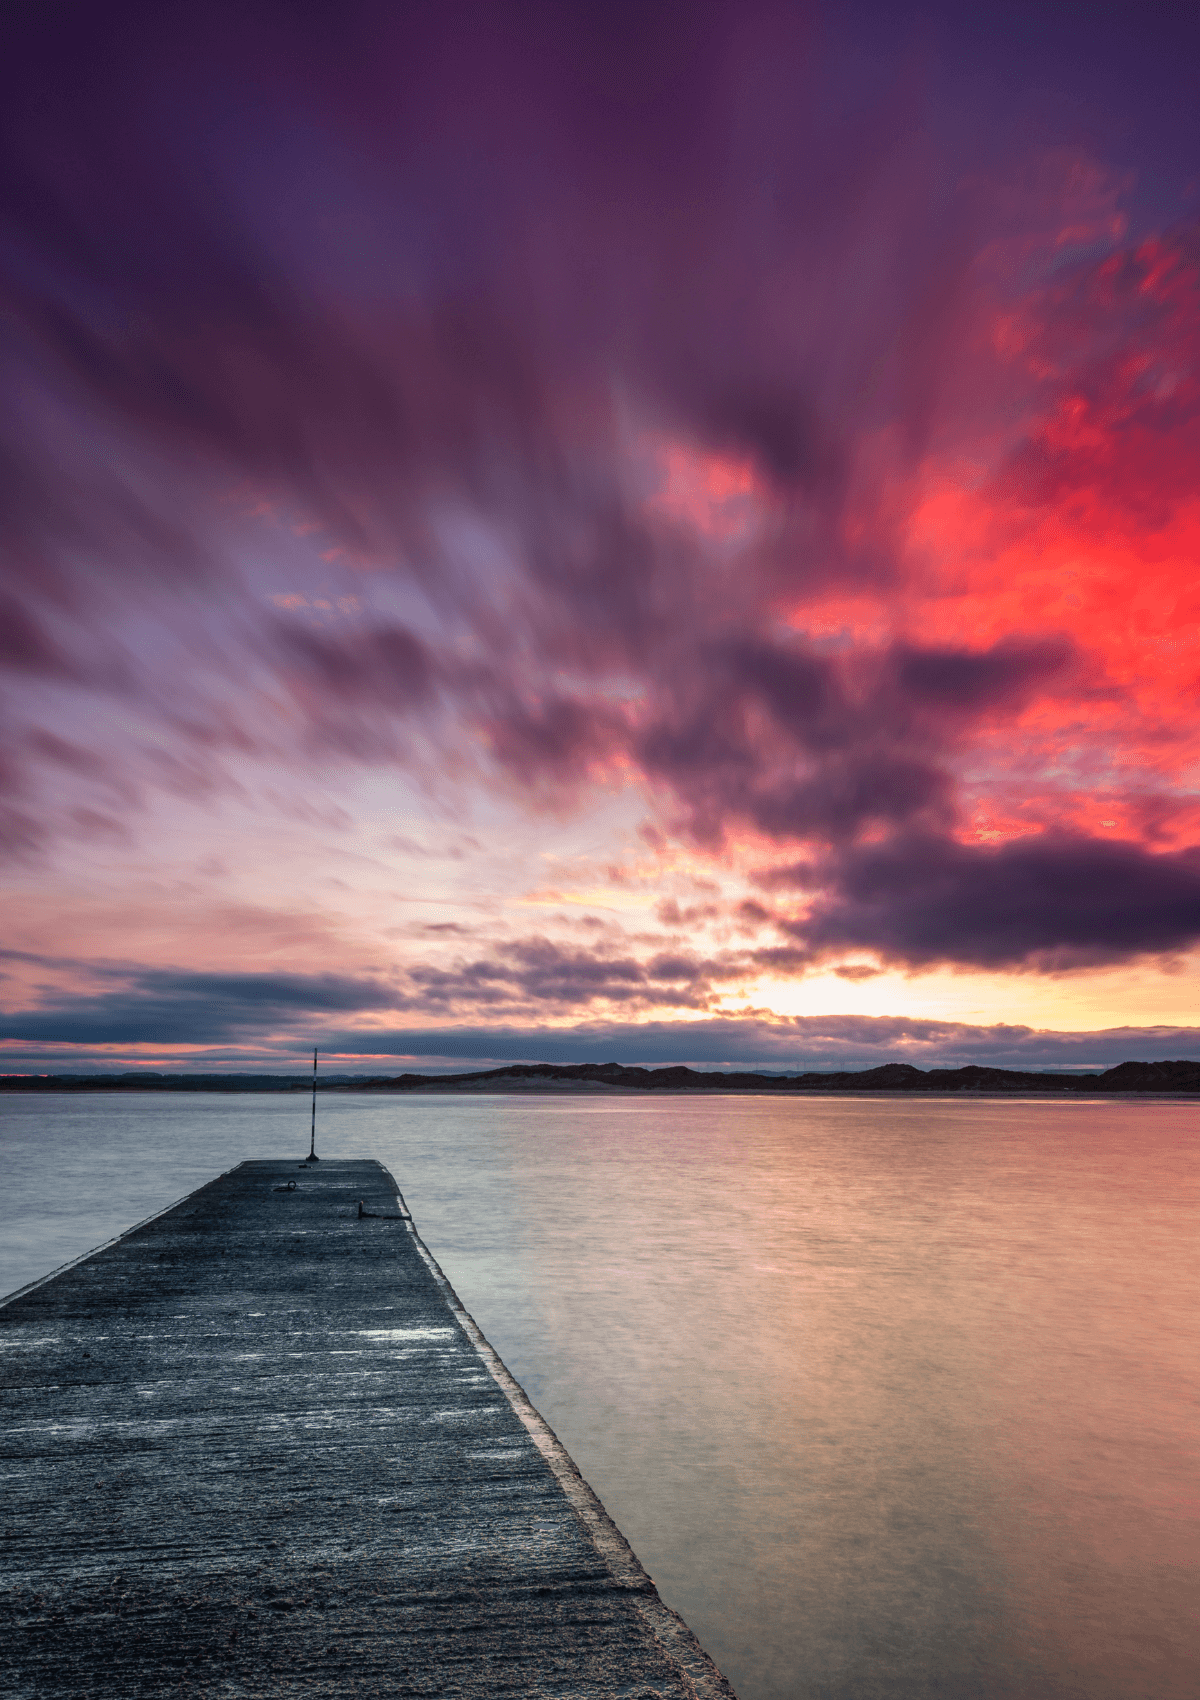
<point>169,1006</point>
<point>1052,902</point>
<point>163,1007</point>
<point>559,739</point>
<point>963,681</point>
<point>801,744</point>
<point>539,973</point>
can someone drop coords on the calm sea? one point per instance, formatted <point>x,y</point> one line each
<point>892,1398</point>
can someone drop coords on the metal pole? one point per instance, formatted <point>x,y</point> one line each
<point>312,1144</point>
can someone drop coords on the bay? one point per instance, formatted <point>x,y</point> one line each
<point>892,1397</point>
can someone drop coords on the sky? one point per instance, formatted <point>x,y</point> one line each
<point>659,533</point>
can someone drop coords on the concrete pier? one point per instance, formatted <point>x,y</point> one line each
<point>257,1447</point>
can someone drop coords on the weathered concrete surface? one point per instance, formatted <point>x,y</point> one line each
<point>256,1447</point>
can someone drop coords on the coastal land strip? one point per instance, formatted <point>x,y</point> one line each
<point>1173,1079</point>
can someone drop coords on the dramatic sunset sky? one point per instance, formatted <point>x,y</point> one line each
<point>664,533</point>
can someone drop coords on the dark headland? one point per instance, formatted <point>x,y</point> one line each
<point>1172,1078</point>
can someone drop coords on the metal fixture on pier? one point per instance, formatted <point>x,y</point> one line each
<point>312,1143</point>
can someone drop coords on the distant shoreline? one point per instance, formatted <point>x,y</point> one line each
<point>1128,1079</point>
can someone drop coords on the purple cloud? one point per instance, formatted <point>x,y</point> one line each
<point>1052,902</point>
